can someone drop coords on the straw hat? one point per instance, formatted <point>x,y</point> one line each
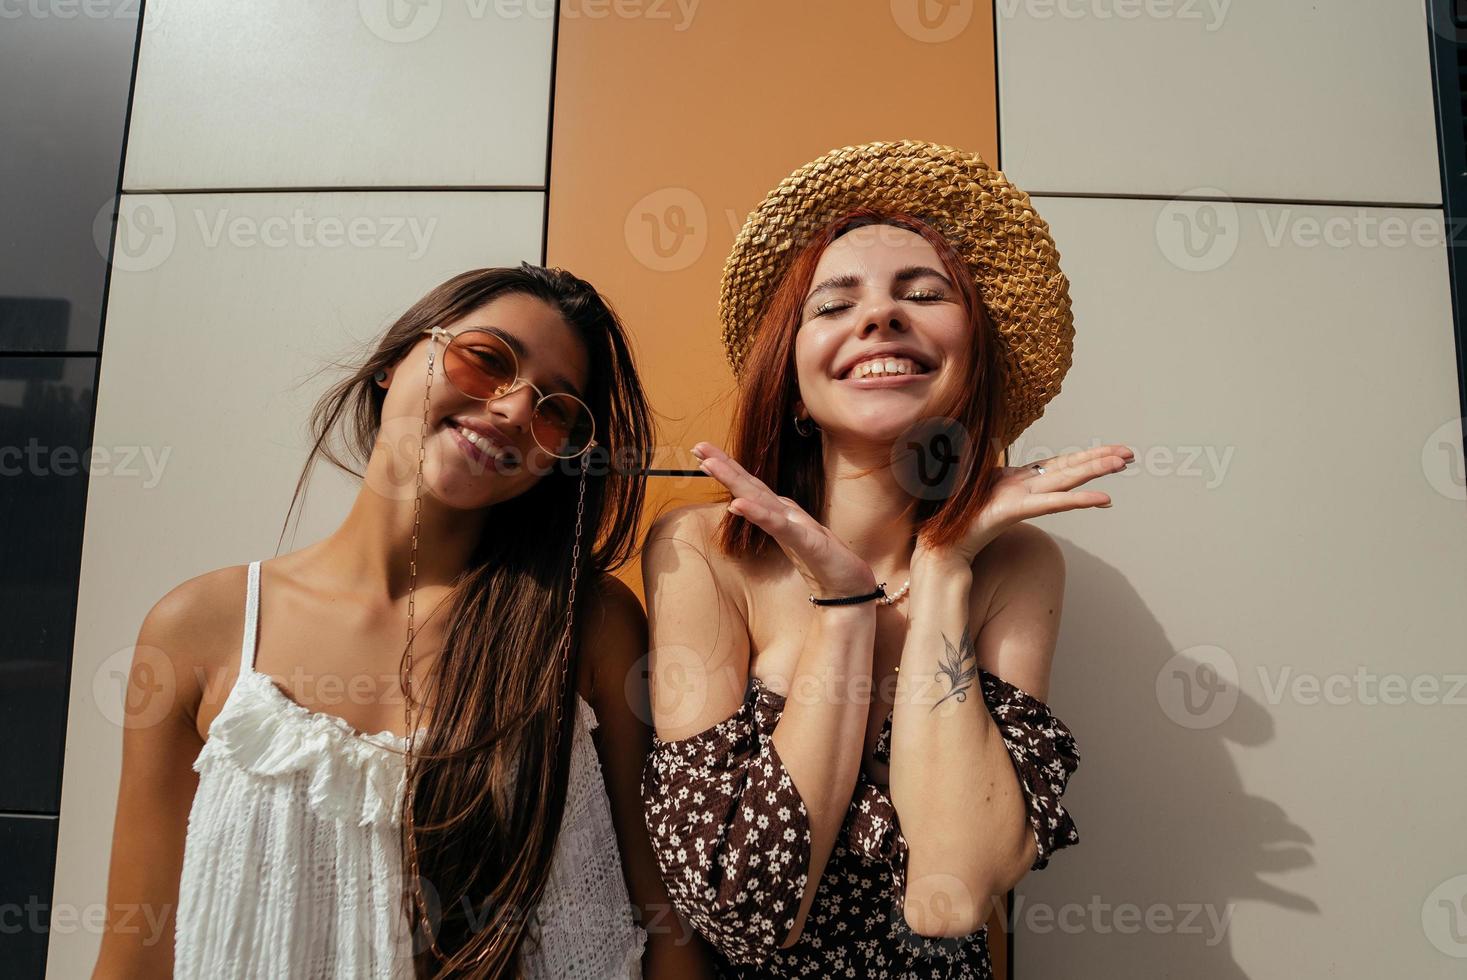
<point>988,220</point>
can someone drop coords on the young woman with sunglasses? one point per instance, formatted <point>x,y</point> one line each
<point>388,767</point>
<point>845,776</point>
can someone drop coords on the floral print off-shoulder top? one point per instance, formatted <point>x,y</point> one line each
<point>732,839</point>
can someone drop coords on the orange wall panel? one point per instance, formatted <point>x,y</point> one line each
<point>671,125</point>
<point>673,119</point>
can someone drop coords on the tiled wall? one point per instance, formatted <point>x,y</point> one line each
<point>1248,203</point>
<point>296,176</point>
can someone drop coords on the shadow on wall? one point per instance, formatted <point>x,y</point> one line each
<point>1169,840</point>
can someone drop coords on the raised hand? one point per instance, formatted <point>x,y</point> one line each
<point>822,559</point>
<point>1023,492</point>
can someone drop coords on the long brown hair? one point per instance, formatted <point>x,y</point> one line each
<point>763,438</point>
<point>488,784</point>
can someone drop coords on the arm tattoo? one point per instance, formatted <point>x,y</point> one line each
<point>959,666</point>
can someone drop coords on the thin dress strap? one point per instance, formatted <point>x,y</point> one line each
<point>252,620</point>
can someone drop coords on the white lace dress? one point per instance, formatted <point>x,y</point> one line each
<point>292,866</point>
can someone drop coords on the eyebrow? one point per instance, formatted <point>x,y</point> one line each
<point>910,272</point>
<point>848,280</point>
<point>520,351</point>
<point>843,281</point>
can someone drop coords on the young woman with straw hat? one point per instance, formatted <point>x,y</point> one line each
<point>844,776</point>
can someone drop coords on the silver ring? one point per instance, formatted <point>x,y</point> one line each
<point>1037,468</point>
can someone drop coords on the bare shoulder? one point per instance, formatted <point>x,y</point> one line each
<point>684,539</point>
<point>694,523</point>
<point>696,527</point>
<point>1023,559</point>
<point>198,614</point>
<point>1024,544</point>
<point>613,607</point>
<point>194,631</point>
<point>616,638</point>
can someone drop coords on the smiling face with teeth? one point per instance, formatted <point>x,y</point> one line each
<point>479,453</point>
<point>882,329</point>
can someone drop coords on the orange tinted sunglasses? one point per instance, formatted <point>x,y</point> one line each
<point>481,365</point>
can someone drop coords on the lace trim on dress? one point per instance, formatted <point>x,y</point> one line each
<point>353,775</point>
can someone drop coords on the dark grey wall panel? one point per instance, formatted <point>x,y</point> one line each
<point>1449,76</point>
<point>27,846</point>
<point>45,429</point>
<point>65,70</point>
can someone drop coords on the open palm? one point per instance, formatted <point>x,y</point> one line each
<point>1023,492</point>
<point>828,566</point>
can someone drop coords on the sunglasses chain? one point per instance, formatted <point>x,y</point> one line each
<point>408,703</point>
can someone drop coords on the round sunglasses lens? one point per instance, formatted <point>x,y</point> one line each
<point>479,364</point>
<point>563,425</point>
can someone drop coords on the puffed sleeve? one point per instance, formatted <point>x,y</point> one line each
<point>1044,755</point>
<point>730,832</point>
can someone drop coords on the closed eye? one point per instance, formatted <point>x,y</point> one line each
<point>917,296</point>
<point>832,306</point>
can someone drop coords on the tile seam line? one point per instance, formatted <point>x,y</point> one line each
<point>394,188</point>
<point>1311,202</point>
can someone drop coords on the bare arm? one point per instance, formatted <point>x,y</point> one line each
<point>960,802</point>
<point>159,744</point>
<point>948,764</point>
<point>699,665</point>
<point>623,739</point>
<point>821,738</point>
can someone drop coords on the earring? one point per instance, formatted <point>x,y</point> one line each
<point>380,375</point>
<point>808,429</point>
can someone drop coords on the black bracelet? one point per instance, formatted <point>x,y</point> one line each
<point>851,600</point>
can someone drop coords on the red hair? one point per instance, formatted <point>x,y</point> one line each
<point>763,439</point>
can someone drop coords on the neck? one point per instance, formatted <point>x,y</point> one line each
<point>374,544</point>
<point>865,511</point>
